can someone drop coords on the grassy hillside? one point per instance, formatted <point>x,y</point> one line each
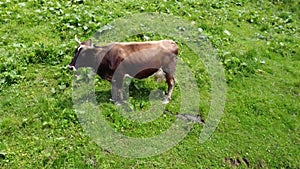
<point>257,43</point>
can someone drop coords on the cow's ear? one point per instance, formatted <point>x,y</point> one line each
<point>88,42</point>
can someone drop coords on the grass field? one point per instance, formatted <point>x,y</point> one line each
<point>256,41</point>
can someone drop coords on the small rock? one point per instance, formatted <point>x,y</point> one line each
<point>181,29</point>
<point>227,32</point>
<point>147,38</point>
<point>200,30</point>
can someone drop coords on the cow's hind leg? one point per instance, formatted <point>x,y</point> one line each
<point>169,70</point>
<point>171,82</point>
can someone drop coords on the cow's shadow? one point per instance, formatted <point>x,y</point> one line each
<point>137,91</point>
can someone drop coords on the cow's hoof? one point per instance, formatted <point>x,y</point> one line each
<point>165,101</point>
<point>118,103</point>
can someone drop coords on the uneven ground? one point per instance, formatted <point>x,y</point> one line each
<point>257,43</point>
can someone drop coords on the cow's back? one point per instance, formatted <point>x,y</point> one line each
<point>138,59</point>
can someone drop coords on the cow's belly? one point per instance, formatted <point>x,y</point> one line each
<point>145,73</point>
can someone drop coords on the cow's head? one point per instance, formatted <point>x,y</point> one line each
<point>81,46</point>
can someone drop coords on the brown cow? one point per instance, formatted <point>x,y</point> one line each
<point>140,60</point>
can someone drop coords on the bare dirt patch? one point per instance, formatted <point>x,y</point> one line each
<point>235,162</point>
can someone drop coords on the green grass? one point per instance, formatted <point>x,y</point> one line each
<point>260,126</point>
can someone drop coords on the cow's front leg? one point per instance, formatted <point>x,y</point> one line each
<point>114,91</point>
<point>117,92</point>
<point>171,82</point>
